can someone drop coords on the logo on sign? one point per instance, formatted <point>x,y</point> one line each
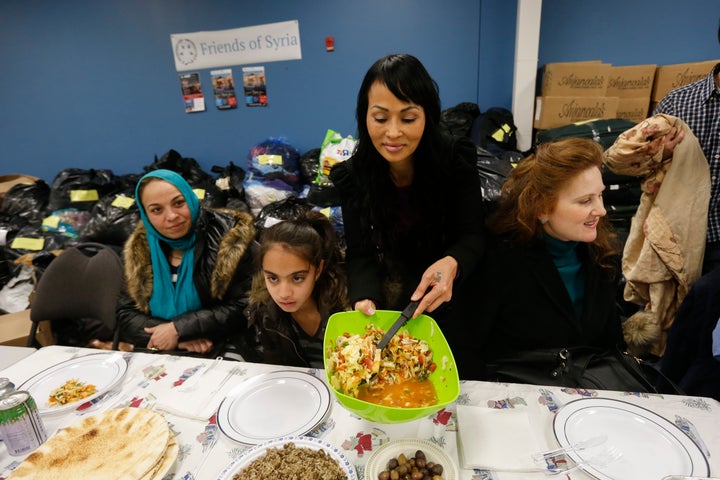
<point>186,51</point>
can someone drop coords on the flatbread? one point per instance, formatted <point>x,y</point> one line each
<point>119,444</point>
<point>166,462</point>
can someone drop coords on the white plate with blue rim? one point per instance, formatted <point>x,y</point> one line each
<point>260,451</point>
<point>103,370</point>
<point>650,446</point>
<point>272,405</point>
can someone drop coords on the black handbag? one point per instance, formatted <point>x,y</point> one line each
<point>582,367</point>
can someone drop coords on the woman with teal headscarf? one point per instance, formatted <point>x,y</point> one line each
<point>187,268</point>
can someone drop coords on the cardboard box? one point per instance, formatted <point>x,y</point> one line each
<point>670,77</point>
<point>635,109</point>
<point>551,112</point>
<point>633,81</point>
<point>15,329</point>
<point>576,79</point>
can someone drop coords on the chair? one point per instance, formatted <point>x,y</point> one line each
<point>79,290</point>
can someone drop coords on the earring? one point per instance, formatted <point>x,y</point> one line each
<point>543,222</point>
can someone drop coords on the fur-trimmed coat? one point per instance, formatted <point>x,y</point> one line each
<point>223,268</point>
<point>663,254</point>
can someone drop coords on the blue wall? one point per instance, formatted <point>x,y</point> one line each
<point>629,32</point>
<point>92,83</point>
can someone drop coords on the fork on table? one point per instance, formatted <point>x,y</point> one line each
<point>550,465</point>
<point>230,374</point>
<point>589,443</point>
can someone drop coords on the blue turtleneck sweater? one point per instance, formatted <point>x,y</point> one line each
<point>565,257</point>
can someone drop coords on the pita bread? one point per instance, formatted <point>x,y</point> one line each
<point>166,462</point>
<point>119,444</point>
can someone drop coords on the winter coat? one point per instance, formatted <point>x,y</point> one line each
<point>222,276</point>
<point>663,253</point>
<point>278,340</point>
<point>523,304</point>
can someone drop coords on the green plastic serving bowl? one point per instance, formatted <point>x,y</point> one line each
<point>445,378</point>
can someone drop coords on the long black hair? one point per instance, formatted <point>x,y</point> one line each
<point>407,79</point>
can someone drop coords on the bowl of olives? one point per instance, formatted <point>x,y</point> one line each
<point>410,459</point>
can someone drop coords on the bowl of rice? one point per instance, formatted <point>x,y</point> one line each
<point>417,361</point>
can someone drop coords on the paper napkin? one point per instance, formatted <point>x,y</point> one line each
<point>495,439</point>
<point>197,399</point>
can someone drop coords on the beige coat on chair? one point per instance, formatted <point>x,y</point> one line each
<point>664,251</point>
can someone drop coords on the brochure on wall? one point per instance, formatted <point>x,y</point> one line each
<point>192,92</point>
<point>223,88</point>
<point>255,86</point>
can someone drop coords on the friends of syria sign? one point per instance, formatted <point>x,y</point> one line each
<point>258,44</point>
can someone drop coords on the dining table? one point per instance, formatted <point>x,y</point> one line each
<point>10,354</point>
<point>190,392</point>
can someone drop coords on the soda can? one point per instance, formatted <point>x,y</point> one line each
<point>20,424</point>
<point>6,386</point>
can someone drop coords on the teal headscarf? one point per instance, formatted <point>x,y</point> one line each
<point>168,300</point>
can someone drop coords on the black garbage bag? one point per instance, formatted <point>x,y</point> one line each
<point>27,201</point>
<point>286,209</point>
<point>10,225</point>
<point>323,195</point>
<point>32,240</point>
<point>112,220</point>
<point>232,176</point>
<point>230,180</point>
<point>8,269</point>
<point>458,120</point>
<point>127,183</point>
<point>209,194</point>
<point>187,167</point>
<point>81,188</point>
<point>309,166</point>
<point>493,172</point>
<point>114,217</point>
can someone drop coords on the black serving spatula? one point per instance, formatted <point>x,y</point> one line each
<point>402,319</point>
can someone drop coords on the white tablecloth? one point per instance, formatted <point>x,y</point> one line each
<point>149,375</point>
<point>10,354</point>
